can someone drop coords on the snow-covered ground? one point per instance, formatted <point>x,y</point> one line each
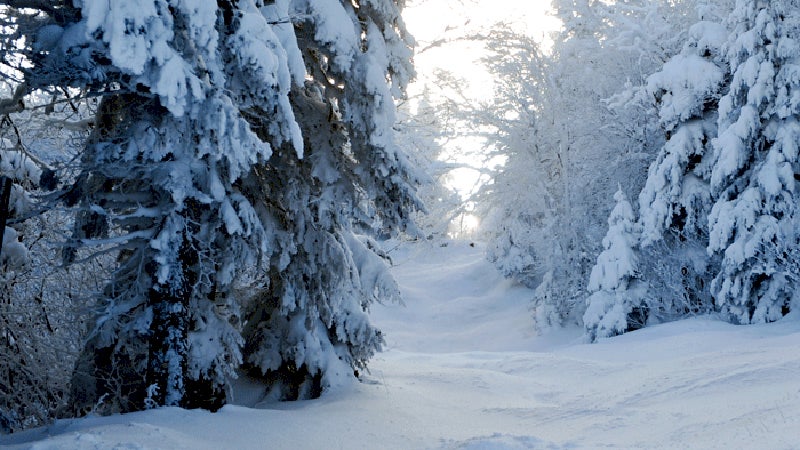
<point>463,370</point>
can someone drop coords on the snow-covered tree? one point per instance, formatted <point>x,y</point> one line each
<point>754,220</point>
<point>686,91</point>
<point>616,303</point>
<point>520,104</point>
<point>18,175</point>
<point>237,149</point>
<point>40,302</point>
<point>160,181</point>
<point>422,128</point>
<point>570,136</point>
<point>309,328</point>
<point>718,210</point>
<point>675,201</point>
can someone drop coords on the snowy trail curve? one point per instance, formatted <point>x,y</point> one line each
<point>465,339</point>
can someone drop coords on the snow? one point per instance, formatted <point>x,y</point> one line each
<point>462,369</point>
<point>14,255</point>
<point>123,30</point>
<point>669,187</point>
<point>278,12</point>
<point>684,79</point>
<point>333,27</point>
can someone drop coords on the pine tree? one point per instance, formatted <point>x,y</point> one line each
<point>239,147</point>
<point>753,222</point>
<point>617,291</point>
<point>725,179</point>
<point>161,178</point>
<point>308,329</point>
<point>675,200</point>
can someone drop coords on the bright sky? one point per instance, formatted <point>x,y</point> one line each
<point>432,20</point>
<point>444,22</point>
<point>429,19</point>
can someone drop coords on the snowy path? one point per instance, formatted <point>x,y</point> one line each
<point>462,370</point>
<point>464,345</point>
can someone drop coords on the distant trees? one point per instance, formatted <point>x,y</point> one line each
<point>571,133</point>
<point>701,91</point>
<point>43,306</point>
<point>240,156</point>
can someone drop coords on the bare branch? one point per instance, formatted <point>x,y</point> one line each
<point>42,5</point>
<point>15,103</point>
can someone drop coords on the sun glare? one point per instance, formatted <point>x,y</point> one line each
<point>464,226</point>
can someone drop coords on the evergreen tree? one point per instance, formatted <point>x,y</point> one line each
<point>754,219</point>
<point>616,303</point>
<point>724,182</point>
<point>675,200</point>
<point>308,328</point>
<point>162,180</point>
<point>238,148</point>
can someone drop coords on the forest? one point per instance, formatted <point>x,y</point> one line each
<point>194,192</point>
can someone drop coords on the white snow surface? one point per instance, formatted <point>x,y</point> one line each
<point>462,369</point>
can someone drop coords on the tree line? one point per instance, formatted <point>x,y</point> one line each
<point>688,111</point>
